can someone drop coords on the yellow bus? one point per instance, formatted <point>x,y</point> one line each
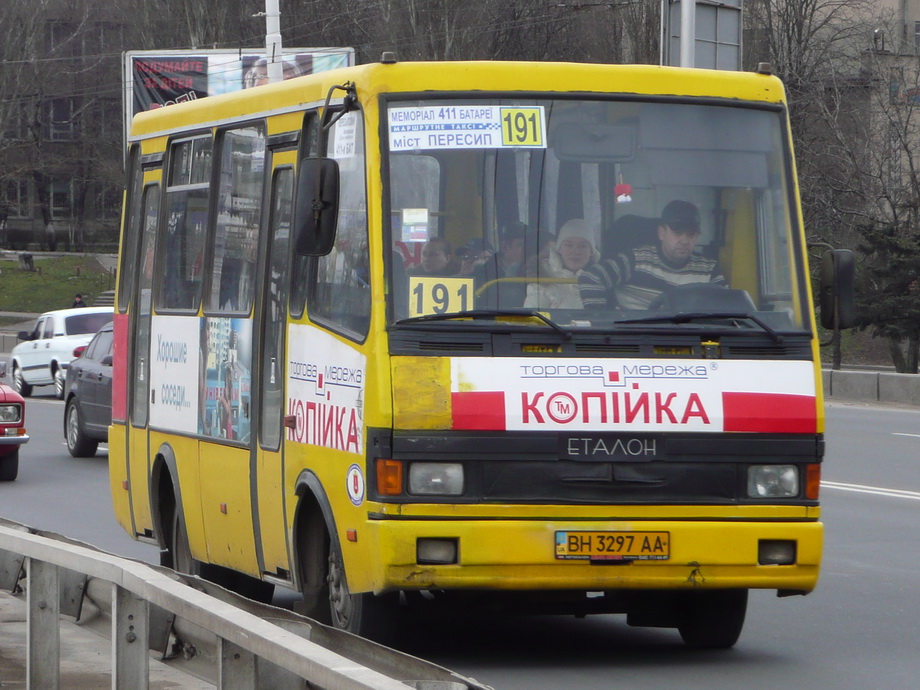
<point>415,332</point>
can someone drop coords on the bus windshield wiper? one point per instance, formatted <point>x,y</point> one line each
<point>488,314</point>
<point>687,317</point>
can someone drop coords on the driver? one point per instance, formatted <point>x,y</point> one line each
<point>634,279</point>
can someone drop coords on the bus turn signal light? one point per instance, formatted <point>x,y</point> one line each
<point>389,477</point>
<point>812,481</point>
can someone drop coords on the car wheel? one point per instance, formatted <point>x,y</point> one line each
<point>59,379</point>
<point>9,466</point>
<point>78,444</point>
<point>19,384</point>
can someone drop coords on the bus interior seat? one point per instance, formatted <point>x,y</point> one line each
<point>628,232</point>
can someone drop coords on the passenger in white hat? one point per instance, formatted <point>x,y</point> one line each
<point>556,284</point>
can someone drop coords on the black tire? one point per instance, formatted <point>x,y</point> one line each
<point>313,570</point>
<point>19,384</point>
<point>60,379</point>
<point>712,619</point>
<point>9,466</point>
<point>179,558</point>
<point>366,614</point>
<point>180,553</point>
<point>78,444</point>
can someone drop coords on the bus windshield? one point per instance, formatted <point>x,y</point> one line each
<point>595,213</point>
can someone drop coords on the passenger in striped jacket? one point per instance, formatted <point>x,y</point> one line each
<point>635,278</point>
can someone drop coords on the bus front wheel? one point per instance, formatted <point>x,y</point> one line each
<point>712,619</point>
<point>365,614</point>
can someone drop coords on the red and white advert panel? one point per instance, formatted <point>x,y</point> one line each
<point>620,395</point>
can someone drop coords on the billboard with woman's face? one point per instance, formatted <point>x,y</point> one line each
<point>158,78</point>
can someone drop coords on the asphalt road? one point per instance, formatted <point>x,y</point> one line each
<point>857,630</point>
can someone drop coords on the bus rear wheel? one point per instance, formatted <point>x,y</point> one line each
<point>712,619</point>
<point>179,549</point>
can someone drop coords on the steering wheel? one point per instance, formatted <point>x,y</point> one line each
<point>689,297</point>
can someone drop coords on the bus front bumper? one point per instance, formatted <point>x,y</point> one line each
<point>529,555</point>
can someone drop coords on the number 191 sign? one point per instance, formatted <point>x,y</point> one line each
<point>439,295</point>
<point>466,126</point>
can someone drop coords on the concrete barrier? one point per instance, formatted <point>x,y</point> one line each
<point>8,341</point>
<point>878,386</point>
<point>899,388</point>
<point>854,385</point>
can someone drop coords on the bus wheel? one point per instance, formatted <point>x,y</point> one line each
<point>712,619</point>
<point>366,614</point>
<point>179,549</point>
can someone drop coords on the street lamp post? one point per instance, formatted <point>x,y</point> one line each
<point>273,54</point>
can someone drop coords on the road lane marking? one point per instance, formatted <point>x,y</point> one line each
<point>874,490</point>
<point>898,433</point>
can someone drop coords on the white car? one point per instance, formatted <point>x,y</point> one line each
<point>48,348</point>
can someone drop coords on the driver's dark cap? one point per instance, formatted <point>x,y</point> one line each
<point>681,216</point>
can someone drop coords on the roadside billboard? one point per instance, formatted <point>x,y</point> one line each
<point>156,78</point>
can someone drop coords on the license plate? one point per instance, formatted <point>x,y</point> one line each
<point>613,546</point>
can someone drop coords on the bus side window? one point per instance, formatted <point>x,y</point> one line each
<point>239,197</point>
<point>127,269</point>
<point>186,224</point>
<point>342,293</point>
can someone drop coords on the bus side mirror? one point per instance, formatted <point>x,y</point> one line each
<point>316,206</point>
<point>838,289</point>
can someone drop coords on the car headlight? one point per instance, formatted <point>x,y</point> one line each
<point>436,478</point>
<point>10,414</point>
<point>773,481</point>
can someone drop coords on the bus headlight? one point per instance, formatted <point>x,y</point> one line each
<point>10,414</point>
<point>773,481</point>
<point>436,478</point>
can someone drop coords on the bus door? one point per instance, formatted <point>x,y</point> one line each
<point>269,342</point>
<point>227,365</point>
<point>139,365</point>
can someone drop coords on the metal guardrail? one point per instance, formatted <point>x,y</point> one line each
<point>254,646</point>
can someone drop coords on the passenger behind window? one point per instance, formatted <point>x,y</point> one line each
<point>437,259</point>
<point>472,255</point>
<point>500,280</point>
<point>638,278</point>
<point>558,265</point>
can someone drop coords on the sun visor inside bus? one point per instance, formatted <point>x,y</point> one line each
<point>594,143</point>
<point>706,145</point>
<point>316,206</point>
<point>707,168</point>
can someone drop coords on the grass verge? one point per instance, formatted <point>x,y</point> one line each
<point>53,283</point>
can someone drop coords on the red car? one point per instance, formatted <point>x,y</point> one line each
<point>12,428</point>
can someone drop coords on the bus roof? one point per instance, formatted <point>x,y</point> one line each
<point>374,79</point>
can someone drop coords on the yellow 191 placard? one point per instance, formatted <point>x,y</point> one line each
<point>522,126</point>
<point>439,295</point>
